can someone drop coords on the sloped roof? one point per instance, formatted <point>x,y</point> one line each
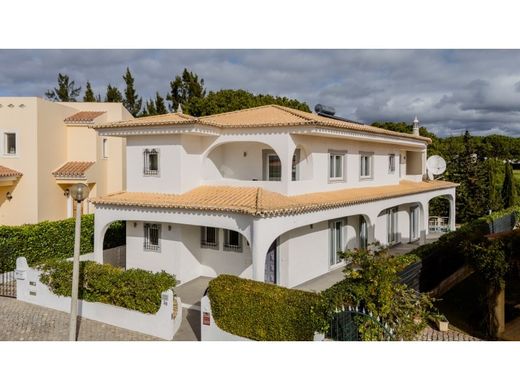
<point>260,202</point>
<point>8,172</point>
<point>73,169</point>
<point>264,116</point>
<point>154,120</point>
<point>83,117</point>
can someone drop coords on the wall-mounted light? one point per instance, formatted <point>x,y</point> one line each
<point>169,228</point>
<point>9,196</point>
<point>66,193</point>
<point>135,224</point>
<point>312,226</point>
<point>245,154</point>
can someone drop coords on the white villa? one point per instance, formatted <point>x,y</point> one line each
<point>268,193</point>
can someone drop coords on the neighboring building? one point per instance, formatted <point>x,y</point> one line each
<point>269,193</point>
<point>47,146</point>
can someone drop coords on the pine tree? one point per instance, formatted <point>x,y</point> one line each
<point>89,94</point>
<point>509,187</point>
<point>131,101</point>
<point>66,91</point>
<point>113,95</point>
<point>149,108</point>
<point>184,88</point>
<point>160,106</point>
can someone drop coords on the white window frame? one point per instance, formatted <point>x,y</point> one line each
<point>146,168</point>
<point>4,140</point>
<point>334,259</point>
<point>147,244</point>
<point>370,158</point>
<point>332,164</point>
<point>104,148</point>
<point>267,166</point>
<point>204,243</point>
<point>391,163</point>
<point>228,246</point>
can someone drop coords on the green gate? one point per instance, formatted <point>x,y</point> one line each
<point>345,324</point>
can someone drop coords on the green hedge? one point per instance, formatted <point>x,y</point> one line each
<point>262,311</point>
<point>134,289</point>
<point>55,239</point>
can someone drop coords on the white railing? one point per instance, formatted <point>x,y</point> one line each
<point>438,224</point>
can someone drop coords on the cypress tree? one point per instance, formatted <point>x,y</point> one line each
<point>89,94</point>
<point>509,187</point>
<point>131,101</point>
<point>160,106</point>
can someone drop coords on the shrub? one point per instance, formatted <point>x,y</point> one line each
<point>55,239</point>
<point>372,282</point>
<point>262,311</point>
<point>134,289</point>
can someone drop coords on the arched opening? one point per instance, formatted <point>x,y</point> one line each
<point>114,244</point>
<point>439,215</point>
<point>244,161</point>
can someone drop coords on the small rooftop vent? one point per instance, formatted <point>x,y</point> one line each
<point>327,110</point>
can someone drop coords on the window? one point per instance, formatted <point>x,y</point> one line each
<point>208,237</point>
<point>295,172</point>
<point>336,162</point>
<point>366,166</point>
<point>336,241</point>
<point>105,148</point>
<point>391,223</point>
<point>151,162</point>
<point>232,241</point>
<point>10,143</point>
<point>152,233</point>
<point>391,163</point>
<point>274,167</point>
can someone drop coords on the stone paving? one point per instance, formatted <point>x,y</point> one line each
<point>28,322</point>
<point>430,334</point>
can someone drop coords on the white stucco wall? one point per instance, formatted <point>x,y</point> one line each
<point>181,253</point>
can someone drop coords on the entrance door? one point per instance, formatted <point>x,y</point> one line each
<point>414,223</point>
<point>271,264</point>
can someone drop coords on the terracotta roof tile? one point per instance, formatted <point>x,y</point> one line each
<point>74,169</point>
<point>263,116</point>
<point>8,172</point>
<point>260,202</point>
<point>84,116</point>
<point>155,120</point>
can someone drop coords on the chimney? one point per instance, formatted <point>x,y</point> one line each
<point>416,126</point>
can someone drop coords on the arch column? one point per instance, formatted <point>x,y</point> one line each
<point>452,212</point>
<point>424,227</point>
<point>101,222</point>
<point>262,239</point>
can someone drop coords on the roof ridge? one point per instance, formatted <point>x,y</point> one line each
<point>291,110</point>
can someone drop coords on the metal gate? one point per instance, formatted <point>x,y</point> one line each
<point>346,323</point>
<point>7,284</point>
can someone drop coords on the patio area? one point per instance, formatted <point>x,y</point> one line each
<point>325,281</point>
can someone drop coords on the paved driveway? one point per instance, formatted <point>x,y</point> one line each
<point>25,321</point>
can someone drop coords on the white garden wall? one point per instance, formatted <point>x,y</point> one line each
<point>161,324</point>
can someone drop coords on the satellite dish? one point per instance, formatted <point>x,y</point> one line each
<point>436,165</point>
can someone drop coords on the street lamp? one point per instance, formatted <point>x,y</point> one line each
<point>79,193</point>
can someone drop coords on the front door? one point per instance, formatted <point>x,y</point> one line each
<point>271,264</point>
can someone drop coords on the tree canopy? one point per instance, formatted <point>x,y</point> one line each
<point>113,95</point>
<point>184,88</point>
<point>89,94</point>
<point>66,90</point>
<point>227,100</point>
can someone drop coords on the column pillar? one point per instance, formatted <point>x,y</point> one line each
<point>69,206</point>
<point>424,227</point>
<point>100,226</point>
<point>259,246</point>
<point>452,213</point>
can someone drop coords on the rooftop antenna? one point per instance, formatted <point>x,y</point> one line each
<point>416,126</point>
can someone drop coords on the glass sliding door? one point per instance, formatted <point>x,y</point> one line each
<point>391,223</point>
<point>414,223</point>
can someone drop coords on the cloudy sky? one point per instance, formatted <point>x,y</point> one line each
<point>449,90</point>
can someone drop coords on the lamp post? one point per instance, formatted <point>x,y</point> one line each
<point>79,193</point>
